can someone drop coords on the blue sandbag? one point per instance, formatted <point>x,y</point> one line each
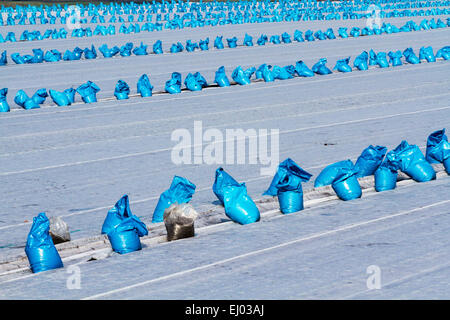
<point>382,60</point>
<point>320,35</point>
<point>190,47</point>
<point>343,33</point>
<point>117,214</point>
<point>342,65</point>
<point>248,40</point>
<point>275,39</point>
<point>262,40</point>
<point>4,107</point>
<point>361,61</point>
<point>395,58</point>
<point>286,184</point>
<point>221,180</point>
<point>180,191</point>
<point>413,163</point>
<point>386,175</point>
<point>438,149</point>
<point>232,42</point>
<point>265,73</point>
<point>286,38</point>
<point>218,44</point>
<point>192,84</point>
<point>346,185</point>
<point>60,98</point>
<point>144,87</point>
<point>298,36</point>
<point>176,47</point>
<point>427,54</point>
<point>17,58</point>
<point>330,34</point>
<point>309,35</point>
<point>173,85</point>
<point>52,56</point>
<point>329,173</point>
<point>88,92</point>
<point>369,160</point>
<point>157,47</point>
<point>321,68</point>
<point>410,56</point>
<point>40,250</point>
<point>125,50</point>
<point>239,207</point>
<point>90,53</point>
<point>204,44</point>
<point>141,50</point>
<point>22,99</point>
<point>124,238</point>
<point>283,73</point>
<point>3,59</point>
<point>444,53</point>
<point>302,69</point>
<point>221,78</point>
<point>108,52</point>
<point>122,90</point>
<point>372,58</point>
<point>240,77</point>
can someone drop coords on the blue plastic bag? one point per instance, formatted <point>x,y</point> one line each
<point>444,53</point>
<point>61,98</point>
<point>438,149</point>
<point>286,38</point>
<point>386,175</point>
<point>3,59</point>
<point>122,90</point>
<point>427,54</point>
<point>248,40</point>
<point>395,58</point>
<point>413,163</point>
<point>4,107</point>
<point>124,238</point>
<point>372,58</point>
<point>176,47</point>
<point>52,56</point>
<point>204,44</point>
<point>410,56</point>
<point>141,50</point>
<point>117,214</point>
<point>283,73</point>
<point>361,61</point>
<point>262,40</point>
<point>232,42</point>
<point>22,99</point>
<point>221,78</point>
<point>88,92</point>
<point>40,250</point>
<point>275,39</point>
<point>287,185</point>
<point>298,36</point>
<point>173,86</point>
<point>180,191</point>
<point>302,69</point>
<point>125,50</point>
<point>342,65</point>
<point>346,185</point>
<point>144,87</point>
<point>218,44</point>
<point>239,207</point>
<point>329,173</point>
<point>108,52</point>
<point>343,33</point>
<point>90,53</point>
<point>382,60</point>
<point>265,73</point>
<point>240,76</point>
<point>321,68</point>
<point>369,160</point>
<point>157,47</point>
<point>195,82</point>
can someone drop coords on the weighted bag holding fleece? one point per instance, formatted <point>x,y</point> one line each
<point>4,107</point>
<point>124,238</point>
<point>180,191</point>
<point>413,163</point>
<point>40,250</point>
<point>346,185</point>
<point>117,214</point>
<point>329,173</point>
<point>385,178</point>
<point>221,78</point>
<point>369,160</point>
<point>239,207</point>
<point>438,149</point>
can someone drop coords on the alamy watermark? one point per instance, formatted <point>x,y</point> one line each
<point>73,17</point>
<point>373,282</point>
<point>74,280</point>
<point>375,18</point>
<point>232,146</point>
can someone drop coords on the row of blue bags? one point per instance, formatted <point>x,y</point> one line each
<point>124,229</point>
<point>196,82</point>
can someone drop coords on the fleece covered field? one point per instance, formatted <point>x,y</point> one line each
<point>77,161</point>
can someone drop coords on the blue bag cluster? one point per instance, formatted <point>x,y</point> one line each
<point>40,250</point>
<point>438,149</point>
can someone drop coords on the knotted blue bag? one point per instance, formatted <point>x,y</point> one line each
<point>239,207</point>
<point>180,191</point>
<point>438,149</point>
<point>190,47</point>
<point>395,58</point>
<point>195,82</point>
<point>262,40</point>
<point>444,53</point>
<point>204,44</point>
<point>122,90</point>
<point>232,42</point>
<point>125,50</point>
<point>361,61</point>
<point>52,56</point>
<point>386,174</point>
<point>283,73</point>
<point>176,47</point>
<point>173,85</point>
<point>141,50</point>
<point>298,36</point>
<point>265,73</point>
<point>382,60</point>
<point>22,99</point>
<point>60,98</point>
<point>108,53</point>
<point>117,214</point>
<point>346,185</point>
<point>342,65</point>
<point>372,58</point>
<point>88,92</point>
<point>286,38</point>
<point>427,54</point>
<point>157,47</point>
<point>221,78</point>
<point>410,56</point>
<point>302,69</point>
<point>4,107</point>
<point>124,238</point>
<point>275,39</point>
<point>369,160</point>
<point>413,163</point>
<point>321,68</point>
<point>329,173</point>
<point>240,77</point>
<point>248,40</point>
<point>218,44</point>
<point>343,33</point>
<point>40,250</point>
<point>3,59</point>
<point>90,53</point>
<point>287,185</point>
<point>144,87</point>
